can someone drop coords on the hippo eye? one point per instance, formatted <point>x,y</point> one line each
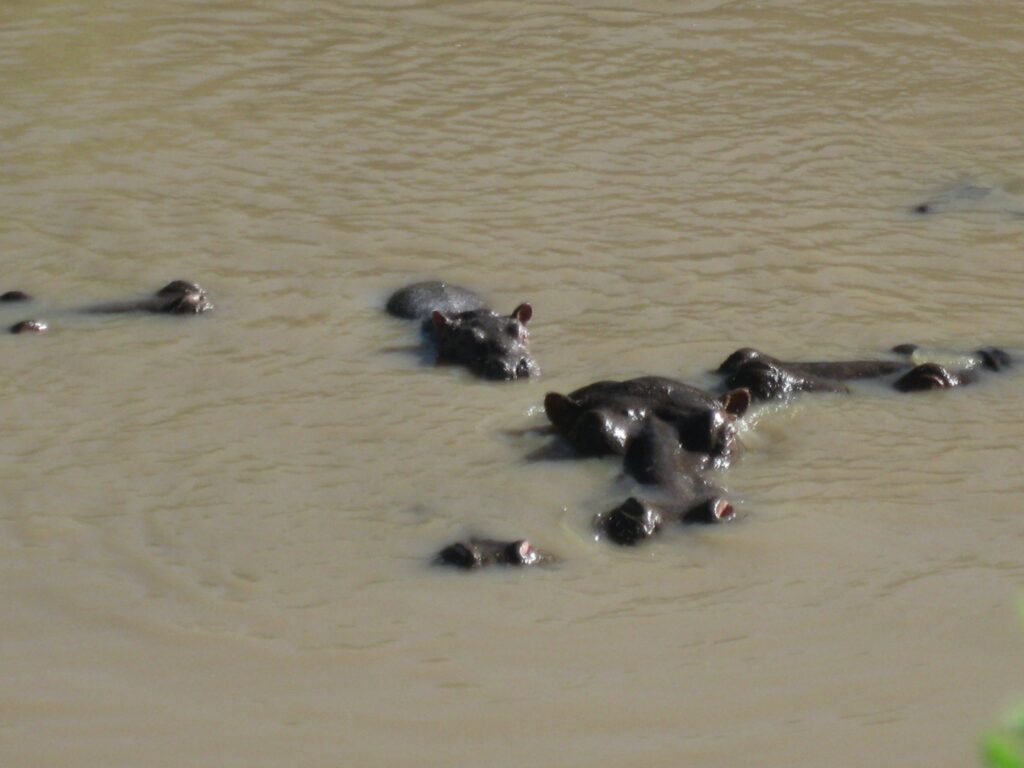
<point>479,335</point>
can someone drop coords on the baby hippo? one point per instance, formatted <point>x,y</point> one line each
<point>467,333</point>
<point>604,417</point>
<point>478,553</point>
<point>179,297</point>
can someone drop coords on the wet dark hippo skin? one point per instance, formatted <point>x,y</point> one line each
<point>465,332</point>
<point>179,297</point>
<point>678,488</point>
<point>604,417</point>
<point>669,434</point>
<point>768,378</point>
<point>480,553</point>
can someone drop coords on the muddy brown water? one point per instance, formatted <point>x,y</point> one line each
<point>214,533</point>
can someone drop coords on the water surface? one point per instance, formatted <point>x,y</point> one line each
<point>214,533</point>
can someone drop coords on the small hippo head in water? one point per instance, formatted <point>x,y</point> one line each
<point>480,553</point>
<point>181,297</point>
<point>492,345</point>
<point>636,520</point>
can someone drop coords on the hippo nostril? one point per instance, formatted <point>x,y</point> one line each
<point>525,368</point>
<point>710,511</point>
<point>722,510</point>
<point>631,521</point>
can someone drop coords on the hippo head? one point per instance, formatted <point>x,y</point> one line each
<point>181,297</point>
<point>738,359</point>
<point>764,379</point>
<point>30,326</point>
<point>494,346</point>
<point>477,553</point>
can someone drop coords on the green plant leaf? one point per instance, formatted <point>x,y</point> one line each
<point>998,751</point>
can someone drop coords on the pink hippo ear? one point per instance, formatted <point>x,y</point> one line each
<point>523,313</point>
<point>736,401</point>
<point>561,411</point>
<point>440,319</point>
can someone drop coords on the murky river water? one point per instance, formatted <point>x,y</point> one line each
<point>214,533</point>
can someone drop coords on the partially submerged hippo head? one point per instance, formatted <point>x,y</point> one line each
<point>739,358</point>
<point>768,379</point>
<point>478,553</point>
<point>492,345</point>
<point>30,326</point>
<point>181,297</point>
<point>636,520</point>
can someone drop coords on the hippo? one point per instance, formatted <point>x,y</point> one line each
<point>638,519</point>
<point>657,458</point>
<point>768,378</point>
<point>480,553</point>
<point>604,417</point>
<point>465,332</point>
<point>179,297</point>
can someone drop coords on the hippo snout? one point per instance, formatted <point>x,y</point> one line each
<point>181,297</point>
<point>631,522</point>
<point>498,369</point>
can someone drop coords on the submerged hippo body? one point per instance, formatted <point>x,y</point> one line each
<point>467,333</point>
<point>604,417</point>
<point>179,297</point>
<point>480,553</point>
<point>769,378</point>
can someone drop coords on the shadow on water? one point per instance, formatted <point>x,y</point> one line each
<point>971,196</point>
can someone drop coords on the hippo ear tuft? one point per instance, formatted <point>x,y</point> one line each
<point>561,411</point>
<point>523,313</point>
<point>440,319</point>
<point>736,401</point>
